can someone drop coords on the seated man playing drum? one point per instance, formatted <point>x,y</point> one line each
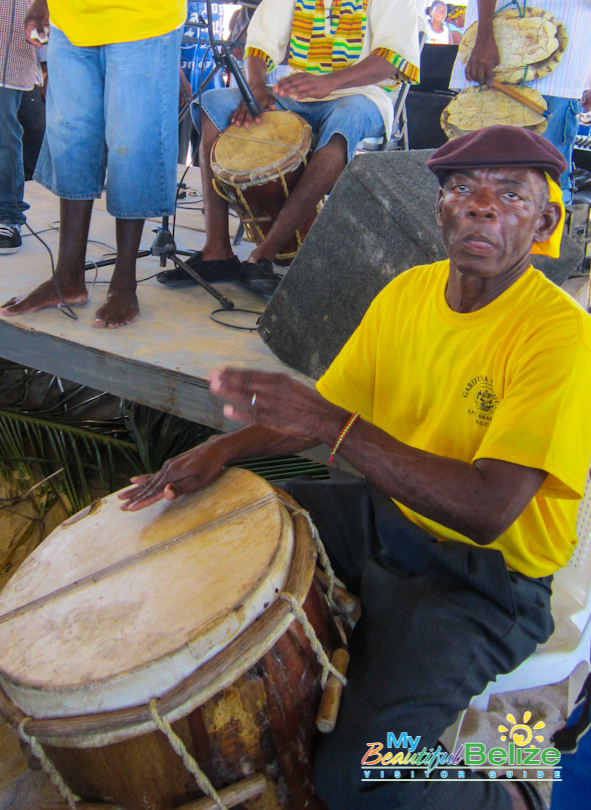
<point>345,59</point>
<point>462,399</point>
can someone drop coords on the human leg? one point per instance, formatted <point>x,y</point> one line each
<point>216,261</point>
<point>344,517</point>
<point>561,131</point>
<point>12,179</point>
<point>141,137</point>
<point>340,126</point>
<point>439,621</point>
<point>71,164</point>
<point>69,286</point>
<point>320,175</point>
<point>213,117</point>
<point>122,307</point>
<point>31,114</point>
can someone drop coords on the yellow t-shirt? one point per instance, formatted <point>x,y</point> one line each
<point>88,23</point>
<point>511,381</point>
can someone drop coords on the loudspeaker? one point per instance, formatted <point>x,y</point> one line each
<point>423,111</point>
<point>379,221</point>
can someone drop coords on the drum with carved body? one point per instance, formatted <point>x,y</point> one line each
<point>122,622</point>
<point>255,169</point>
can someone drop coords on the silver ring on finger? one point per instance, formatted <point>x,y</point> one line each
<point>253,401</point>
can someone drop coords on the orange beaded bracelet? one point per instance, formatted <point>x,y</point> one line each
<point>350,422</point>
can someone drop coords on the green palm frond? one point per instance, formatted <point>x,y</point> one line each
<point>31,446</point>
<point>159,436</point>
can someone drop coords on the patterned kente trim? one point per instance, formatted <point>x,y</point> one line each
<point>408,70</point>
<point>261,55</point>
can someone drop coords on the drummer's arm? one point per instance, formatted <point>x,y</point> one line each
<point>371,70</point>
<point>256,75</point>
<point>200,466</point>
<point>479,500</point>
<point>485,54</point>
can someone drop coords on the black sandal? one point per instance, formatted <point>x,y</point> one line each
<point>258,277</point>
<point>211,270</point>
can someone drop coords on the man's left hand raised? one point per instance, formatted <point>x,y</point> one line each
<point>277,401</point>
<point>305,85</point>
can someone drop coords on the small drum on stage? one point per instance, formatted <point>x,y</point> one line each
<point>479,107</point>
<point>531,44</point>
<point>255,170</point>
<point>139,651</point>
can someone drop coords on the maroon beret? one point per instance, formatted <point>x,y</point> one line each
<point>497,146</point>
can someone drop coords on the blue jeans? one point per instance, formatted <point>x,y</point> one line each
<point>12,177</point>
<point>353,117</point>
<point>115,104</point>
<point>561,131</point>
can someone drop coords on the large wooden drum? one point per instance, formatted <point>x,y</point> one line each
<point>255,169</point>
<point>184,604</point>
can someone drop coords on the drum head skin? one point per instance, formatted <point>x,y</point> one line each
<point>476,108</point>
<point>529,47</point>
<point>140,613</point>
<point>245,157</point>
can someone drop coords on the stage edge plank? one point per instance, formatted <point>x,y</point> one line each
<point>159,388</point>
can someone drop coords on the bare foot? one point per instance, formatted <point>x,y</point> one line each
<point>46,295</point>
<point>120,308</point>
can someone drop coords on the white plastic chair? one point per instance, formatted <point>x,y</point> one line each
<point>566,653</point>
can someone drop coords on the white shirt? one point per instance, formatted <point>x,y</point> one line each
<point>391,24</point>
<point>568,79</point>
<point>439,37</point>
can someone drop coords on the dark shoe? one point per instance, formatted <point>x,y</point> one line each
<point>213,270</point>
<point>259,277</point>
<point>10,239</point>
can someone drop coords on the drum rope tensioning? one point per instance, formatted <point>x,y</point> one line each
<point>160,721</point>
<point>256,169</point>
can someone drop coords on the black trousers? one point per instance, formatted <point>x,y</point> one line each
<point>440,620</point>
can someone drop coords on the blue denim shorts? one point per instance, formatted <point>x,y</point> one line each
<point>116,105</point>
<point>561,131</point>
<point>353,117</point>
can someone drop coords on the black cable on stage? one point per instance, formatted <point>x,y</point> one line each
<point>63,307</point>
<point>234,326</point>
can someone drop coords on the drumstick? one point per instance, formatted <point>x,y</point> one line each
<point>519,97</point>
<point>326,719</point>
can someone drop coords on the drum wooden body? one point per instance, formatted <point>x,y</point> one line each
<point>256,169</point>
<point>247,706</point>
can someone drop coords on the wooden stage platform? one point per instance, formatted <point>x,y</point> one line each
<point>164,358</point>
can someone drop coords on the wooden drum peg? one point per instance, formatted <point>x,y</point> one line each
<point>328,712</point>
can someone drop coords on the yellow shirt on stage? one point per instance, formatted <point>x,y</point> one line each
<point>89,23</point>
<point>511,381</point>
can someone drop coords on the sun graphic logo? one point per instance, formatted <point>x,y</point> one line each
<point>521,733</point>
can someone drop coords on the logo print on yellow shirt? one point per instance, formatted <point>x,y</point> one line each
<point>483,400</point>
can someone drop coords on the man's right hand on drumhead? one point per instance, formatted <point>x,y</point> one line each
<point>266,100</point>
<point>186,473</point>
